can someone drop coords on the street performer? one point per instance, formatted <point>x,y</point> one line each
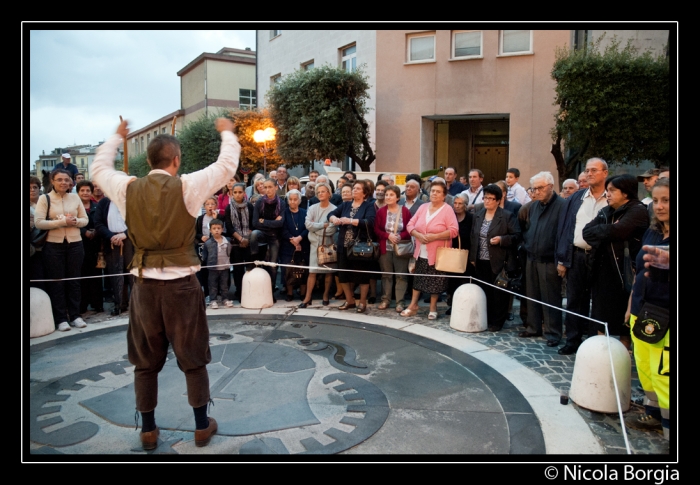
<point>167,303</point>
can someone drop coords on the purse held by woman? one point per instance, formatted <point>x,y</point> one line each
<point>326,253</point>
<point>363,250</point>
<point>452,260</point>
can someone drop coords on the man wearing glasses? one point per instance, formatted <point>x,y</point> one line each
<point>572,250</point>
<point>543,282</point>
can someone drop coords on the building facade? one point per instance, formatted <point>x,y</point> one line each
<point>462,98</point>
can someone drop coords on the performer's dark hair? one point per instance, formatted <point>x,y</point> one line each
<point>162,150</point>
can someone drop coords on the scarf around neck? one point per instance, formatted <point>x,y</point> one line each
<point>240,224</point>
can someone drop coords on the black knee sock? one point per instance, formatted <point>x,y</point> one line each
<point>149,421</point>
<point>200,417</point>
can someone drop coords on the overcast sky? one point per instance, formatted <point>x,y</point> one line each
<point>82,80</point>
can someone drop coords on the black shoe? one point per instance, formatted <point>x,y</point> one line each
<point>372,300</point>
<point>115,311</point>
<point>510,317</point>
<point>304,304</point>
<point>289,297</point>
<point>568,349</point>
<point>449,311</point>
<point>325,302</point>
<point>493,328</point>
<point>526,334</point>
<point>99,310</point>
<point>552,343</point>
<point>274,300</point>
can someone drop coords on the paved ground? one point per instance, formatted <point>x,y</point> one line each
<point>502,389</point>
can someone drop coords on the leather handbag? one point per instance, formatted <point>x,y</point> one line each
<point>363,250</point>
<point>509,280</point>
<point>296,276</point>
<point>452,260</point>
<point>38,236</point>
<point>326,253</point>
<point>403,248</point>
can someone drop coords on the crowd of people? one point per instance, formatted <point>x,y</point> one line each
<point>583,243</point>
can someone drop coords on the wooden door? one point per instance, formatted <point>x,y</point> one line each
<point>493,161</point>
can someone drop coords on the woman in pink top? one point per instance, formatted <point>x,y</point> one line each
<point>224,198</point>
<point>433,226</point>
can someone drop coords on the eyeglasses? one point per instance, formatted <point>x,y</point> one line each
<point>593,170</point>
<point>537,189</point>
<point>489,198</point>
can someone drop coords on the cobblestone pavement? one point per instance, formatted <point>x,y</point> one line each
<point>533,353</point>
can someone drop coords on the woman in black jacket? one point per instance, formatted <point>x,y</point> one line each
<point>355,220</point>
<point>494,239</point>
<point>622,222</point>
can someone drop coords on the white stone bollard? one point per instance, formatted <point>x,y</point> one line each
<point>40,315</point>
<point>592,383</point>
<point>257,292</point>
<point>469,309</point>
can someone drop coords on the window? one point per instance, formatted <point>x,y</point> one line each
<point>515,42</point>
<point>421,48</point>
<point>275,33</point>
<point>348,59</point>
<point>466,44</point>
<point>155,133</point>
<point>307,66</point>
<point>275,79</point>
<point>148,138</point>
<point>163,130</point>
<point>247,99</point>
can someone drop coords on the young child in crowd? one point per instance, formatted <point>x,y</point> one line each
<point>217,251</point>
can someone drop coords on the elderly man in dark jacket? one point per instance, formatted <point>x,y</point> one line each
<point>542,281</point>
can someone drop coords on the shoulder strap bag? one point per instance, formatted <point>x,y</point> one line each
<point>452,260</point>
<point>326,253</point>
<point>403,248</point>
<point>363,250</point>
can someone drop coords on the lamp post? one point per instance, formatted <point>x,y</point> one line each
<point>263,136</point>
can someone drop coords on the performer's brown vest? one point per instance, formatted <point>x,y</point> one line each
<point>160,227</point>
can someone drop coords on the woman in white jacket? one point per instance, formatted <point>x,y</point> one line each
<point>63,253</point>
<point>316,223</point>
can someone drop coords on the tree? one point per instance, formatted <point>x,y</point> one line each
<point>200,142</point>
<point>138,165</point>
<point>613,104</point>
<point>320,113</point>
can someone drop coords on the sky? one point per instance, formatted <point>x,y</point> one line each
<point>81,81</point>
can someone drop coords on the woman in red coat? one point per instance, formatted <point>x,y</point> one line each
<point>391,227</point>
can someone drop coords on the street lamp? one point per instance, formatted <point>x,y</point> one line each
<point>263,136</point>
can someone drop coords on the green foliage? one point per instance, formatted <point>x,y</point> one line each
<point>200,142</point>
<point>320,113</point>
<point>613,103</point>
<point>138,165</point>
<point>429,173</point>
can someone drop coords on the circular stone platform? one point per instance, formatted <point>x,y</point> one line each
<point>296,384</point>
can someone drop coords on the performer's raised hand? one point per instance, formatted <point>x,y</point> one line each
<point>123,129</point>
<point>224,124</point>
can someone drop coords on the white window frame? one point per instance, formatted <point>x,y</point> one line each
<point>275,33</point>
<point>409,39</point>
<point>455,57</point>
<point>308,65</point>
<point>352,58</point>
<point>515,53</point>
<point>275,79</point>
<point>252,97</point>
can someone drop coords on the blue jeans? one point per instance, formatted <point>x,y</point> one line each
<point>64,260</point>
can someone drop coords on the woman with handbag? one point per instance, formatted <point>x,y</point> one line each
<point>433,226</point>
<point>650,295</point>
<point>494,239</point>
<point>321,234</point>
<point>464,220</point>
<point>294,244</point>
<point>90,288</point>
<point>622,223</point>
<point>63,252</point>
<point>395,246</point>
<point>355,220</point>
